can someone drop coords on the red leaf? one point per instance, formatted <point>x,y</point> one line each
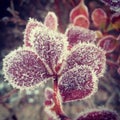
<point>81,21</point>
<point>77,83</point>
<point>108,43</point>
<point>99,18</point>
<point>24,70</point>
<point>80,9</point>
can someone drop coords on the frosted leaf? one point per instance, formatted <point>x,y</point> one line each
<point>99,18</point>
<point>51,46</point>
<point>80,9</point>
<point>77,83</point>
<point>108,43</point>
<point>32,23</point>
<point>113,4</point>
<point>81,21</point>
<point>86,54</point>
<point>51,21</point>
<point>79,34</point>
<point>24,70</point>
<point>102,114</point>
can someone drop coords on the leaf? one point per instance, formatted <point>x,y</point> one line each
<point>99,18</point>
<point>51,21</point>
<point>24,70</point>
<point>113,4</point>
<point>86,54</point>
<point>80,9</point>
<point>108,43</point>
<point>77,83</point>
<point>102,114</point>
<point>79,35</point>
<point>81,21</point>
<point>32,23</point>
<point>50,45</point>
<point>115,21</point>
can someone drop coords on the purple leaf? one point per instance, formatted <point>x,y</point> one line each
<point>86,54</point>
<point>99,115</point>
<point>50,46</point>
<point>77,83</point>
<point>79,34</point>
<point>23,69</point>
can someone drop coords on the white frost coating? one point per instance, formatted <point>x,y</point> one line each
<point>78,78</point>
<point>50,45</point>
<point>32,23</point>
<point>51,21</point>
<point>100,109</point>
<point>10,64</point>
<point>79,34</point>
<point>86,54</point>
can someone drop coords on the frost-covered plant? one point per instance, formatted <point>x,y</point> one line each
<point>107,26</point>
<point>71,60</point>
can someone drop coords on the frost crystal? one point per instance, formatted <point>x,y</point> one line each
<point>23,69</point>
<point>77,83</point>
<point>78,34</point>
<point>86,54</point>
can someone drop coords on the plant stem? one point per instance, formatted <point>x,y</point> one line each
<point>58,107</point>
